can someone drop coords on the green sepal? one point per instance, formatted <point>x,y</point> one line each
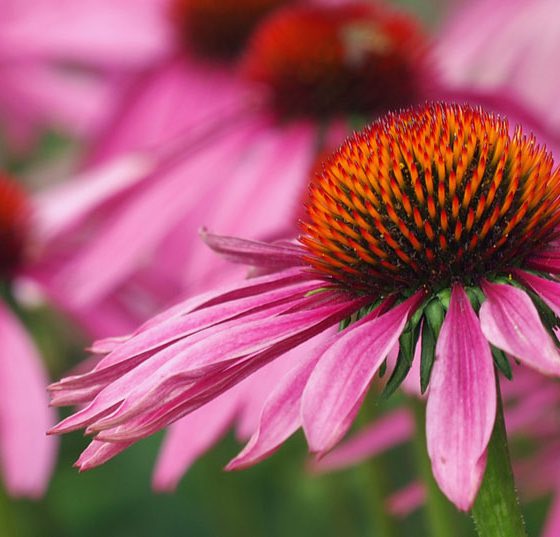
<point>501,361</point>
<point>444,297</point>
<point>356,316</point>
<point>476,297</point>
<point>407,344</point>
<point>434,314</point>
<point>383,369</point>
<point>428,355</point>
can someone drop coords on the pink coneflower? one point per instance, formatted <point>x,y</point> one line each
<point>207,136</point>
<point>433,221</point>
<point>208,119</point>
<point>26,455</point>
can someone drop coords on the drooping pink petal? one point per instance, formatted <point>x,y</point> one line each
<point>26,454</point>
<point>158,383</point>
<point>213,383</point>
<point>281,414</point>
<point>257,253</point>
<point>547,259</point>
<point>510,321</point>
<point>177,328</point>
<point>385,432</point>
<point>461,403</point>
<point>548,290</point>
<point>98,453</point>
<point>340,381</point>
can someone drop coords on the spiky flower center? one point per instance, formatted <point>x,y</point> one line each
<point>14,225</point>
<point>328,60</point>
<point>430,196</point>
<point>218,29</point>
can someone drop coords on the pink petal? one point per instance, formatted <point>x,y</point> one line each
<point>98,453</point>
<point>179,101</point>
<point>214,383</point>
<point>461,403</point>
<point>103,33</point>
<point>340,381</point>
<point>405,501</point>
<point>256,253</point>
<point>385,432</point>
<point>155,383</point>
<point>548,290</point>
<point>510,321</point>
<point>118,248</point>
<point>62,207</point>
<point>281,415</point>
<point>27,455</point>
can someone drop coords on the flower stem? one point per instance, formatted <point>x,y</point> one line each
<point>440,513</point>
<point>496,511</point>
<point>373,471</point>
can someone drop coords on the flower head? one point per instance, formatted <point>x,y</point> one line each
<point>352,58</point>
<point>433,230</point>
<point>430,197</point>
<point>15,213</point>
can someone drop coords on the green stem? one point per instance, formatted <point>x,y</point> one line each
<point>496,511</point>
<point>383,524</point>
<point>440,513</point>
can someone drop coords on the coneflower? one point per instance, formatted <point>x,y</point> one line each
<point>434,226</point>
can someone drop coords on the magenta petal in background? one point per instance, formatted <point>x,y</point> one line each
<point>461,404</point>
<point>27,455</point>
<point>548,290</point>
<point>386,432</point>
<point>190,437</point>
<point>510,321</point>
